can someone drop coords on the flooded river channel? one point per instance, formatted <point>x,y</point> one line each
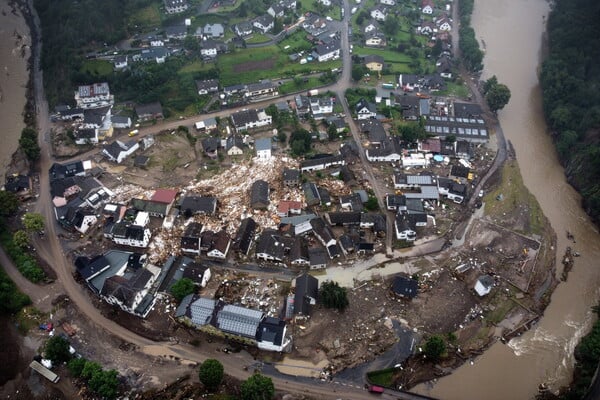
<point>512,31</point>
<point>14,51</point>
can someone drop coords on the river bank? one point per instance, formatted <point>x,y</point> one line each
<point>545,354</point>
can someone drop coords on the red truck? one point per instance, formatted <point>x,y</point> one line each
<point>375,389</point>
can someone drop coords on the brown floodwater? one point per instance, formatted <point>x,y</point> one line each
<point>14,51</point>
<point>512,31</point>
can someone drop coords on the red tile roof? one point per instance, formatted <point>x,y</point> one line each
<point>166,196</point>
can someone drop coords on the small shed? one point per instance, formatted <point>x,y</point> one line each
<point>484,285</point>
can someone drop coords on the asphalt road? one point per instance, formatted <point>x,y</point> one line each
<point>51,251</point>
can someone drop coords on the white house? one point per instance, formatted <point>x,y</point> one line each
<point>249,119</point>
<point>121,121</point>
<point>209,49</point>
<point>96,95</point>
<point>175,6</point>
<point>87,221</point>
<point>375,39</point>
<point>403,228</point>
<point>371,26</point>
<point>121,62</point>
<point>320,107</point>
<point>131,235</point>
<point>129,292</point>
<point>365,110</point>
<point>118,151</point>
<point>379,12</point>
<point>264,23</point>
<point>427,7</point>
<point>263,148</point>
<point>326,52</point>
<point>444,24</point>
<point>220,245</point>
<point>326,3</point>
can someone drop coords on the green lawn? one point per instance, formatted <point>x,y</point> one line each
<point>280,66</point>
<point>456,89</point>
<point>195,66</point>
<point>291,86</point>
<point>97,67</point>
<point>258,38</point>
<point>297,42</point>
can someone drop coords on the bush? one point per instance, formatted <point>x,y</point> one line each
<point>75,366</point>
<point>435,347</point>
<point>182,288</point>
<point>257,387</point>
<point>211,373</point>
<point>57,350</point>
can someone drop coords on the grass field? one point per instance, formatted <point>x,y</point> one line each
<point>252,65</point>
<point>514,193</point>
<point>146,17</point>
<point>291,86</point>
<point>456,89</point>
<point>97,67</point>
<point>258,38</point>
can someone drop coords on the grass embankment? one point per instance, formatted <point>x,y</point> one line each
<point>25,263</point>
<point>510,197</point>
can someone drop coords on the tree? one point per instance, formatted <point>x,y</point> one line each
<point>332,295</point>
<point>497,97</point>
<point>9,203</point>
<point>105,383</point>
<point>89,369</point>
<point>11,300</point>
<point>191,43</point>
<point>491,82</point>
<point>277,26</point>
<point>57,350</point>
<point>372,204</point>
<point>358,71</point>
<point>300,141</point>
<point>33,222</point>
<point>391,25</point>
<point>29,144</point>
<point>332,132</point>
<point>75,366</point>
<point>21,239</point>
<point>211,373</point>
<point>435,347</point>
<point>182,288</point>
<point>257,387</point>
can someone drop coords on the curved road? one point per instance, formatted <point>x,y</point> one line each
<point>51,250</point>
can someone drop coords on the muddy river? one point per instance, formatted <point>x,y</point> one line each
<point>512,31</point>
<point>14,51</point>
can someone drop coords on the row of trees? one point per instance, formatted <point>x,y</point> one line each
<point>471,54</point>
<point>569,78</point>
<point>11,299</point>
<point>256,387</point>
<point>104,383</point>
<point>16,244</point>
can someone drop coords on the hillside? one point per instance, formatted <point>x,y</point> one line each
<point>570,80</point>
